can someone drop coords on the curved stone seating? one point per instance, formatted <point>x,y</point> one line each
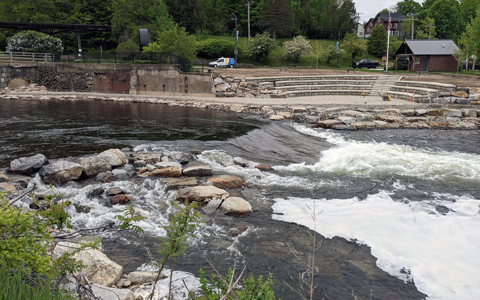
<point>430,85</point>
<point>323,82</point>
<point>332,87</point>
<point>305,93</point>
<point>416,90</point>
<point>312,77</point>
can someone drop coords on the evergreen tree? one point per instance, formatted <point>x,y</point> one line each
<point>276,18</point>
<point>187,13</point>
<point>377,42</point>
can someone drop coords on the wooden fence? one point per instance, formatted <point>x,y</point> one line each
<point>26,56</point>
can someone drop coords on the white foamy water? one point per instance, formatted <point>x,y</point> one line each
<point>442,252</point>
<point>370,159</point>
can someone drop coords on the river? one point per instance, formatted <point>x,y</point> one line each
<point>399,209</point>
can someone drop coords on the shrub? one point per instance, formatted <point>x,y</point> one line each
<point>127,50</point>
<point>215,48</point>
<point>333,53</point>
<point>33,41</point>
<point>296,47</point>
<point>260,47</point>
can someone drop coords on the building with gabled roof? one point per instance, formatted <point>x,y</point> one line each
<point>396,28</point>
<point>428,55</point>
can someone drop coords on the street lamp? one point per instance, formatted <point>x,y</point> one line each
<point>234,17</point>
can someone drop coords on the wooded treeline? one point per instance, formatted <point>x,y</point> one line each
<point>329,19</point>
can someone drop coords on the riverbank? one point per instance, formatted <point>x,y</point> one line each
<point>333,111</point>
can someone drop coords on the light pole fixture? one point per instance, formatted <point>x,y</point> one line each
<point>234,17</point>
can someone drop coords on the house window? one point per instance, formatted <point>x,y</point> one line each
<point>395,25</point>
<point>379,19</point>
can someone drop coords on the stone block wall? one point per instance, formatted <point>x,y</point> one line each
<point>65,81</point>
<point>8,73</point>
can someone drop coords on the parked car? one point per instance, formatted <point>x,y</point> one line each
<point>365,63</point>
<point>223,62</point>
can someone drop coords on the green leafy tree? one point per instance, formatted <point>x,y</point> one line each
<point>176,41</point>
<point>408,7</point>
<point>276,18</point>
<point>182,225</point>
<point>187,13</point>
<point>215,48</point>
<point>470,40</point>
<point>296,47</point>
<point>448,19</point>
<point>33,41</point>
<point>260,47</point>
<point>30,11</point>
<point>317,51</point>
<point>333,53</point>
<point>426,29</point>
<point>377,42</point>
<point>354,44</point>
<point>469,9</point>
<point>131,15</point>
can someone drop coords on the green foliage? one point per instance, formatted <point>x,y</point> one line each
<point>215,48</point>
<point>354,44</point>
<point>23,235</point>
<point>296,47</point>
<point>215,288</point>
<point>260,47</point>
<point>182,225</point>
<point>333,53</point>
<point>176,41</point>
<point>21,284</point>
<point>377,42</point>
<point>470,40</point>
<point>187,13</point>
<point>131,15</point>
<point>448,19</point>
<point>408,7</point>
<point>127,219</point>
<point>33,41</point>
<point>276,18</point>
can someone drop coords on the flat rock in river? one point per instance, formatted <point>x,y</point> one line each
<point>61,171</point>
<point>201,193</point>
<point>236,206</point>
<point>175,183</point>
<point>199,170</point>
<point>228,181</point>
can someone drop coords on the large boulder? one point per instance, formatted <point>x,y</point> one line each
<point>149,158</point>
<point>110,293</point>
<point>61,171</point>
<point>228,181</point>
<point>201,194</point>
<point>199,170</point>
<point>115,157</point>
<point>119,199</point>
<point>27,165</point>
<point>99,268</point>
<point>364,125</point>
<point>236,206</point>
<point>329,123</point>
<point>93,165</point>
<point>173,171</point>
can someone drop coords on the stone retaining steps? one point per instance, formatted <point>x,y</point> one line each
<point>430,85</point>
<point>383,84</point>
<point>324,82</point>
<point>415,90</point>
<point>305,93</point>
<point>332,87</point>
<point>311,77</point>
<point>407,96</point>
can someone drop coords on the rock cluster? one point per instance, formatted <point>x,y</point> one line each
<point>227,86</point>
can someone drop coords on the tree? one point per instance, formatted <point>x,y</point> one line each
<point>317,51</point>
<point>176,41</point>
<point>333,53</point>
<point>408,7</point>
<point>30,11</point>
<point>131,15</point>
<point>426,29</point>
<point>33,41</point>
<point>457,54</point>
<point>354,44</point>
<point>260,47</point>
<point>448,19</point>
<point>470,40</point>
<point>469,9</point>
<point>296,47</point>
<point>276,18</point>
<point>187,13</point>
<point>377,42</point>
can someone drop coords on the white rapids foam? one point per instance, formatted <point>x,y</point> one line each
<point>370,159</point>
<point>442,252</point>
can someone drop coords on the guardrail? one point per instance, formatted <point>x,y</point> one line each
<point>26,56</point>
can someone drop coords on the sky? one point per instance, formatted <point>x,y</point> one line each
<point>370,8</point>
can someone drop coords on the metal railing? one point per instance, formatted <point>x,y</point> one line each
<point>27,56</point>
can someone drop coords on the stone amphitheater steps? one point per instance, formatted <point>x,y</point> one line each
<point>332,87</point>
<point>415,90</point>
<point>409,96</point>
<point>316,85</point>
<point>429,85</point>
<point>383,84</point>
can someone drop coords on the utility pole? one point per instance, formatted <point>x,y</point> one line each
<point>236,38</point>
<point>430,26</point>
<point>413,21</point>
<point>357,19</point>
<point>248,16</point>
